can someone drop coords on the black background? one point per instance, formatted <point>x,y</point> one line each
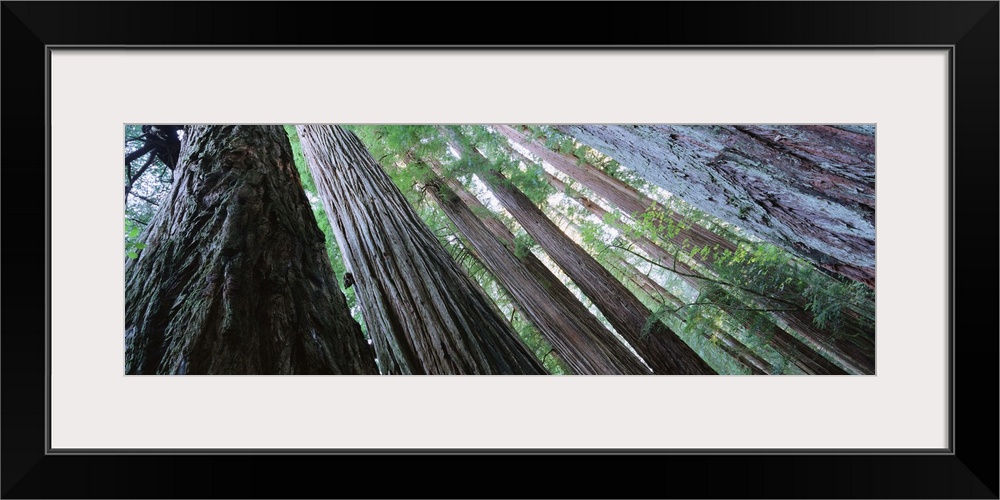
<point>971,472</point>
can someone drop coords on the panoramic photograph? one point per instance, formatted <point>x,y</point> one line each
<point>499,249</point>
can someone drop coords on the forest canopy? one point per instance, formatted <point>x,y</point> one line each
<point>500,249</point>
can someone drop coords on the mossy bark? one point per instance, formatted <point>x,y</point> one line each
<point>235,278</point>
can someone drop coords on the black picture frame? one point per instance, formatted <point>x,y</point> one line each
<point>968,470</point>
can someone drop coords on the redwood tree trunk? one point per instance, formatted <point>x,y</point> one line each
<point>788,346</point>
<point>235,278</point>
<point>662,349</point>
<point>731,345</point>
<point>625,197</point>
<point>808,189</point>
<point>581,341</point>
<point>422,311</point>
<point>854,348</point>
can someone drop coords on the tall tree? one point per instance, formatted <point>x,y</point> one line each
<point>851,340</point>
<point>500,299</point>
<point>423,313</point>
<point>792,349</point>
<point>659,347</point>
<point>581,341</point>
<point>728,343</point>
<point>671,309</point>
<point>667,223</point>
<point>234,277</point>
<point>807,189</point>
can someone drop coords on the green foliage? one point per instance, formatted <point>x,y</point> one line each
<point>300,160</point>
<point>402,151</point>
<point>393,145</point>
<point>831,302</point>
<point>769,273</point>
<point>482,212</point>
<point>529,178</point>
<point>523,244</point>
<point>561,143</point>
<point>715,306</point>
<point>660,314</point>
<point>133,245</point>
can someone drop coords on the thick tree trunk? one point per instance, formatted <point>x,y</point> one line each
<point>684,234</point>
<point>423,313</point>
<point>471,255</point>
<point>868,130</point>
<point>731,345</point>
<point>650,288</point>
<point>808,189</point>
<point>854,348</point>
<point>505,296</point>
<point>661,349</point>
<point>582,342</point>
<point>788,346</point>
<point>235,278</point>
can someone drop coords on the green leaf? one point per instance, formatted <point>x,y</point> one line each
<point>134,232</point>
<point>132,255</point>
<point>140,246</point>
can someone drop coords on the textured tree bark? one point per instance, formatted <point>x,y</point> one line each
<point>422,311</point>
<point>517,307</point>
<point>868,130</point>
<point>581,341</point>
<point>235,278</point>
<point>793,350</point>
<point>623,196</point>
<point>854,349</point>
<point>646,285</point>
<point>731,345</point>
<point>661,349</point>
<point>808,189</point>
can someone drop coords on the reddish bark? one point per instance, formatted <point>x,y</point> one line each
<point>582,343</point>
<point>854,348</point>
<point>421,309</point>
<point>795,351</point>
<point>661,349</point>
<point>809,190</point>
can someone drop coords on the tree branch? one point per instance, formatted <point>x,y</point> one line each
<point>135,155</point>
<point>147,200</point>
<point>711,280</point>
<point>142,170</point>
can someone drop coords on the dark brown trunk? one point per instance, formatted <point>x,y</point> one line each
<point>235,278</point>
<point>788,346</point>
<point>855,348</point>
<point>470,260</point>
<point>731,345</point>
<point>422,311</point>
<point>807,189</point>
<point>660,348</point>
<point>583,344</point>
<point>655,292</point>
